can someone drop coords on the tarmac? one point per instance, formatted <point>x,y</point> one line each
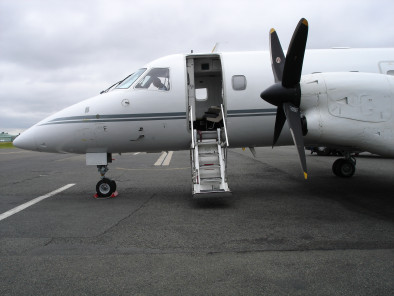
<point>278,234</point>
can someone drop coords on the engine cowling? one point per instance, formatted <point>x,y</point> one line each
<point>349,109</point>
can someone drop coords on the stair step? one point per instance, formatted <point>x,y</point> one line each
<point>205,174</point>
<point>210,167</point>
<point>209,159</point>
<point>208,135</point>
<point>212,194</point>
<point>208,151</point>
<point>209,164</point>
<point>211,180</point>
<point>208,142</point>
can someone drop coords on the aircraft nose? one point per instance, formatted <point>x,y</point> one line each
<point>26,140</point>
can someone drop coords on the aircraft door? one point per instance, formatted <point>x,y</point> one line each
<point>191,93</point>
<point>205,91</point>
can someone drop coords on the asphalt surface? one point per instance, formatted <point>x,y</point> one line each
<point>276,235</point>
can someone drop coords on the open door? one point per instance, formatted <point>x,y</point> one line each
<point>205,91</point>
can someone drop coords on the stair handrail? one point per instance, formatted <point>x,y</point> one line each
<point>224,123</point>
<point>192,127</point>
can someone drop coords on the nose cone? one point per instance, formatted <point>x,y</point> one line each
<point>26,140</point>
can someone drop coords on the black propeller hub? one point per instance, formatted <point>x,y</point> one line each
<point>277,94</point>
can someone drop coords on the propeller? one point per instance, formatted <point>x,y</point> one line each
<point>286,92</point>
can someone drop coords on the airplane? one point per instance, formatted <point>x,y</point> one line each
<point>206,102</point>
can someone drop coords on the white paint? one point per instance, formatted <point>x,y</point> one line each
<point>32,202</point>
<point>109,136</point>
<point>164,159</point>
<point>167,160</point>
<point>161,159</point>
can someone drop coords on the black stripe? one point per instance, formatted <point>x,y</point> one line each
<point>117,118</point>
<point>251,112</point>
<point>249,115</point>
<point>152,116</point>
<point>114,116</point>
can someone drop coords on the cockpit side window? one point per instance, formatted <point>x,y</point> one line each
<point>156,79</point>
<point>129,80</point>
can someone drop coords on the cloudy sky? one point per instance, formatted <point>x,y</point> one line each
<point>54,53</point>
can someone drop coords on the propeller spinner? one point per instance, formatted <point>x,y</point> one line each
<point>286,92</point>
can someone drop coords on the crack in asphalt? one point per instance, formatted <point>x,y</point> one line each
<point>66,239</point>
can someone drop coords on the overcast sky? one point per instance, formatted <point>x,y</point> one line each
<point>54,53</point>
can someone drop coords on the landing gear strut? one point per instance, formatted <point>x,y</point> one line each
<point>105,188</point>
<point>344,167</point>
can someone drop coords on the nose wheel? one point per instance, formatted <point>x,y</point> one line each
<point>105,188</point>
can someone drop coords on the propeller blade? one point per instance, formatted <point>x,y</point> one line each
<point>286,92</point>
<point>279,123</point>
<point>277,56</point>
<point>293,117</point>
<point>295,55</point>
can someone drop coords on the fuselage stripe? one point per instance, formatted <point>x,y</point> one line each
<point>251,112</point>
<point>117,118</point>
<point>152,116</point>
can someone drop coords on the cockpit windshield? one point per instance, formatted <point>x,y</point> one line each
<point>155,79</point>
<point>129,80</point>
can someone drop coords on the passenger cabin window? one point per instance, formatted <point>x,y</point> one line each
<point>239,82</point>
<point>156,79</point>
<point>129,80</point>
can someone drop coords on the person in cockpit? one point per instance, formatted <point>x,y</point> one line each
<point>157,83</point>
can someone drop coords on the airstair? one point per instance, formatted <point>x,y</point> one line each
<point>208,155</point>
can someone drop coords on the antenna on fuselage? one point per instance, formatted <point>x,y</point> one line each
<point>215,47</point>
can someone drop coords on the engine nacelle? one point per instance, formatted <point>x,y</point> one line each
<point>349,109</point>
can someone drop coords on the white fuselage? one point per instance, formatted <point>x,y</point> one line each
<point>135,119</point>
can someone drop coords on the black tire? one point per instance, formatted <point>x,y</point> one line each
<point>114,185</point>
<point>347,168</point>
<point>105,187</point>
<point>343,168</point>
<point>336,167</point>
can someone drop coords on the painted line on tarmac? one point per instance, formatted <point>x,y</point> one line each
<point>153,169</point>
<point>167,160</point>
<point>32,202</point>
<point>161,159</point>
<point>71,157</point>
<point>164,159</point>
<point>4,153</point>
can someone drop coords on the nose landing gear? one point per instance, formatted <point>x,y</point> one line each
<point>105,188</point>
